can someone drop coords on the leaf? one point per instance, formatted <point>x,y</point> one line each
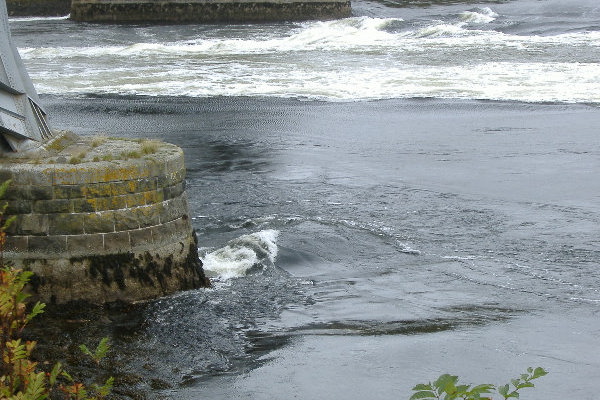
<point>56,370</point>
<point>84,349</point>
<point>503,390</point>
<point>66,375</point>
<point>423,386</point>
<point>102,349</point>
<point>36,389</point>
<point>105,390</point>
<point>539,372</point>
<point>4,186</point>
<point>445,382</point>
<point>525,385</point>
<point>462,388</point>
<point>485,388</point>
<point>8,222</point>
<point>38,309</point>
<point>423,395</point>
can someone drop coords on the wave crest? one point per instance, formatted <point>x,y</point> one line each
<point>242,254</point>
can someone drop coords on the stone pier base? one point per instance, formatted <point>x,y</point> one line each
<point>207,11</point>
<point>101,220</point>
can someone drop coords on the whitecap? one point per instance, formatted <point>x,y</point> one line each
<point>242,254</point>
<point>36,19</point>
<point>481,16</point>
<point>442,30</point>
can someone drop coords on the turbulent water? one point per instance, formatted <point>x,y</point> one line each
<point>378,199</point>
<point>538,51</point>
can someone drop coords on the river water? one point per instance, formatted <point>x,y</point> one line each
<point>378,200</point>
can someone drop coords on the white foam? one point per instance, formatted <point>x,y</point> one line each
<point>442,30</point>
<point>238,256</point>
<point>481,16</point>
<point>38,19</point>
<point>351,59</point>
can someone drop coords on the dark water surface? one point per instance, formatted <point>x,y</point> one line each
<point>360,248</point>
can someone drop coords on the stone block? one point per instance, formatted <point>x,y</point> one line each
<point>16,207</point>
<point>85,244</point>
<point>146,184</point>
<point>153,197</point>
<point>149,215</point>
<point>110,203</point>
<point>122,188</point>
<point>65,224</point>
<point>135,200</point>
<point>171,179</point>
<point>99,222</point>
<point>141,237</point>
<point>123,171</point>
<point>17,244</point>
<point>52,206</point>
<point>175,162</point>
<point>33,224</point>
<point>174,191</point>
<point>126,220</point>
<point>17,192</point>
<point>94,190</point>
<point>65,175</point>
<point>39,192</point>
<point>171,231</point>
<point>42,176</point>
<point>83,205</point>
<point>29,174</point>
<point>173,209</point>
<point>47,244</point>
<point>67,191</point>
<point>117,242</point>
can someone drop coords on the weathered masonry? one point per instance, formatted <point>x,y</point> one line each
<point>207,11</point>
<point>38,7</point>
<point>101,220</point>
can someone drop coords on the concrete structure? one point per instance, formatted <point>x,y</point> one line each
<point>207,11</point>
<point>101,220</point>
<point>49,8</point>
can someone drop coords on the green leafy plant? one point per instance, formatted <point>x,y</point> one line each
<point>98,354</point>
<point>447,387</point>
<point>20,377</point>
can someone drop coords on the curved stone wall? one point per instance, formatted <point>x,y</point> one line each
<point>206,11</point>
<point>102,222</point>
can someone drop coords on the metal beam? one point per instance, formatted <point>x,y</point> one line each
<point>22,120</point>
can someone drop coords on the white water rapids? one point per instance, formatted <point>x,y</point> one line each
<point>469,54</point>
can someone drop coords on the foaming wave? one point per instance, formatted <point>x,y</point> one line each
<point>481,16</point>
<point>242,254</point>
<point>351,59</point>
<point>343,34</point>
<point>441,30</point>
<point>38,19</point>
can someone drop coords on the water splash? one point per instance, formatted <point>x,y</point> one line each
<point>241,255</point>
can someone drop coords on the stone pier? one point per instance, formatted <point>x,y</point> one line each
<point>207,11</point>
<point>101,220</point>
